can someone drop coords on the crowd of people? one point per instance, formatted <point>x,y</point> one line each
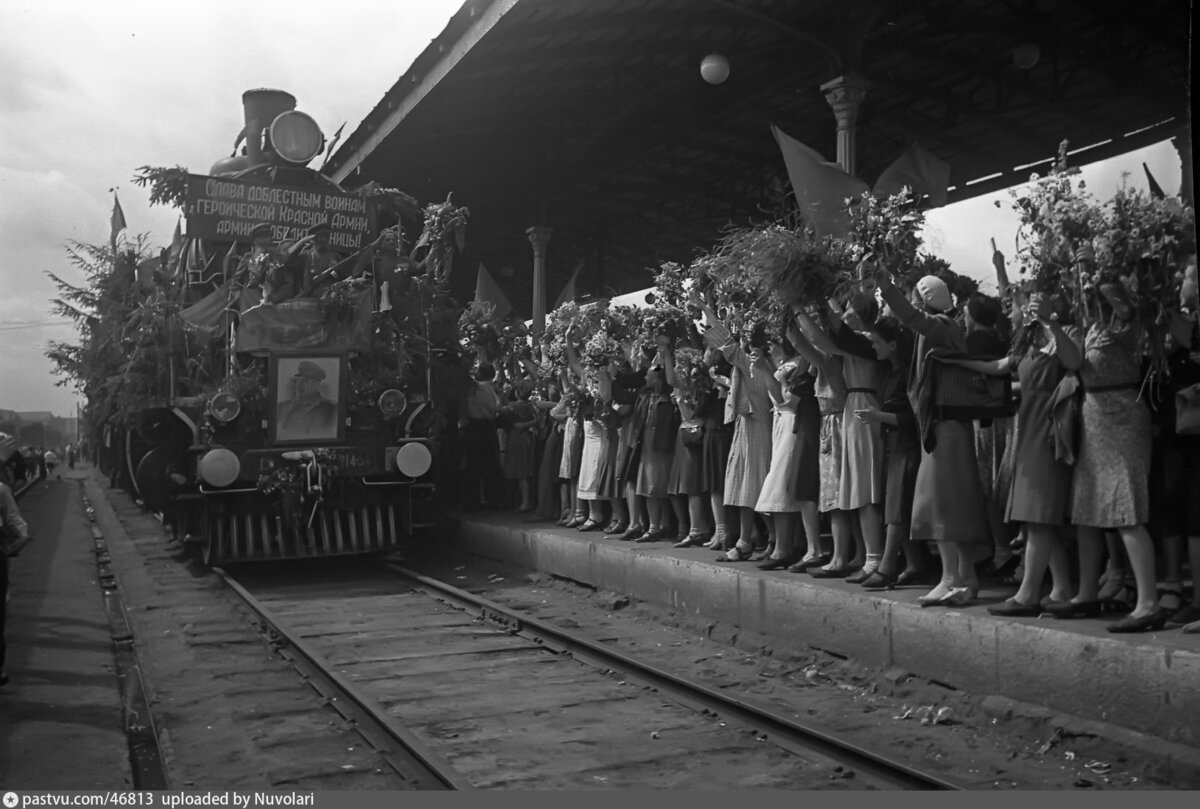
<point>759,446</point>
<point>29,463</point>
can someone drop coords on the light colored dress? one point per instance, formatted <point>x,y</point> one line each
<point>1111,487</point>
<point>831,396</point>
<point>594,449</point>
<point>863,452</point>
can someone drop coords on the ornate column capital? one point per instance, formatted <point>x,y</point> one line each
<point>845,94</point>
<point>539,235</point>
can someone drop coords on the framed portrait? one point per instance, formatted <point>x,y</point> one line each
<point>306,398</point>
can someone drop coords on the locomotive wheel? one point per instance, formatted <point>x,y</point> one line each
<point>151,480</point>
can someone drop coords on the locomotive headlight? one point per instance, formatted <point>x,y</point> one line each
<point>219,467</point>
<point>392,402</point>
<point>413,459</point>
<point>224,407</point>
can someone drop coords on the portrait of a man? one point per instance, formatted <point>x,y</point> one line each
<point>306,395</point>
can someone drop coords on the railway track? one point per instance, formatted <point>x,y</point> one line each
<point>469,693</point>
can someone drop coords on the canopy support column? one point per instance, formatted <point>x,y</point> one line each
<point>539,236</point>
<point>845,94</point>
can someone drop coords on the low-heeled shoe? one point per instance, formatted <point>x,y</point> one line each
<point>1073,609</point>
<point>1015,609</point>
<point>1147,623</point>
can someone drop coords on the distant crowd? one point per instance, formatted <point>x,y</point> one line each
<point>37,463</point>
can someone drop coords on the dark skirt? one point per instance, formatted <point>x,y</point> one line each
<point>900,484</point>
<point>687,468</point>
<point>547,492</point>
<point>807,472</point>
<point>948,499</point>
<point>714,456</point>
<point>610,484</point>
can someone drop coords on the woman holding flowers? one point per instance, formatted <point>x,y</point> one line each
<point>749,408</point>
<point>597,396</point>
<point>657,450</point>
<point>860,484</point>
<point>1110,490</point>
<point>948,502</point>
<point>1044,353</point>
<point>686,376</point>
<point>793,481</point>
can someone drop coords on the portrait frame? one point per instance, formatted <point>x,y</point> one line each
<point>314,428</point>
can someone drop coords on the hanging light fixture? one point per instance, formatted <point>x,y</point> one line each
<point>714,68</point>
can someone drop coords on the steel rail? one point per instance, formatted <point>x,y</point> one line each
<point>787,733</point>
<point>415,761</point>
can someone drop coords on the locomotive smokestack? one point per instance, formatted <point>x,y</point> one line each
<point>260,108</point>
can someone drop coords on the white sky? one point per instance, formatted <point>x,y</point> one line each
<point>91,90</point>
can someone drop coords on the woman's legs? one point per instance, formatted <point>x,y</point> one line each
<point>1114,573</point>
<point>784,531</point>
<point>721,532</point>
<point>697,517</point>
<point>810,517</point>
<point>871,523</point>
<point>1140,548</point>
<point>843,539</point>
<point>679,505</point>
<point>1091,550</point>
<point>620,511</point>
<point>1040,544</point>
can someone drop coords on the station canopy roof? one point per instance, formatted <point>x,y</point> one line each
<point>591,117</point>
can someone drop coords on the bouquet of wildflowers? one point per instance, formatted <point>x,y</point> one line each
<point>886,230</point>
<point>477,327</point>
<point>599,350</point>
<point>690,374</point>
<point>1058,217</point>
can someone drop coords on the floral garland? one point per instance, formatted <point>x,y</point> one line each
<point>445,231</point>
<point>289,477</point>
<point>477,328</point>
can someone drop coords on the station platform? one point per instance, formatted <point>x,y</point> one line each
<point>1146,683</point>
<point>61,716</point>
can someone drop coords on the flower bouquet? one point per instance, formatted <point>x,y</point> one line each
<point>886,230</point>
<point>477,328</point>
<point>599,350</point>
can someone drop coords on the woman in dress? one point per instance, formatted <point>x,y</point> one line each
<point>597,396</point>
<point>749,407</point>
<point>518,454</point>
<point>657,451</point>
<point>687,486</point>
<point>1110,490</point>
<point>718,438</point>
<point>574,513</point>
<point>1041,488</point>
<point>948,501</point>
<point>902,447</point>
<point>829,389</point>
<point>860,484</point>
<point>617,416</point>
<point>793,481</point>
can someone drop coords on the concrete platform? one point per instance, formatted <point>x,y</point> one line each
<point>1148,683</point>
<point>61,718</point>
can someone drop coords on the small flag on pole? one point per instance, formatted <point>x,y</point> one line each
<point>117,222</point>
<point>1156,191</point>
<point>486,289</point>
<point>568,291</point>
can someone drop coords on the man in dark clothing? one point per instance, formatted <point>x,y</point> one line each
<point>480,446</point>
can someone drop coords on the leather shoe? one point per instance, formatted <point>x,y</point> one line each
<point>774,563</point>
<point>808,564</point>
<point>634,532</point>
<point>590,525</point>
<point>859,577</point>
<point>1147,623</point>
<point>652,536</point>
<point>879,581</point>
<point>1185,615</point>
<point>831,573</point>
<point>1075,609</point>
<point>1015,609</point>
<point>916,577</point>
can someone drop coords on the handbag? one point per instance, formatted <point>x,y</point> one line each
<point>1065,411</point>
<point>1187,410</point>
<point>959,393</point>
<point>692,432</point>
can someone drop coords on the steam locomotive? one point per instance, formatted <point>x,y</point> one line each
<point>312,432</point>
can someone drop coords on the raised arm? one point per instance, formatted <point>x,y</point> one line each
<point>572,358</point>
<point>937,331</point>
